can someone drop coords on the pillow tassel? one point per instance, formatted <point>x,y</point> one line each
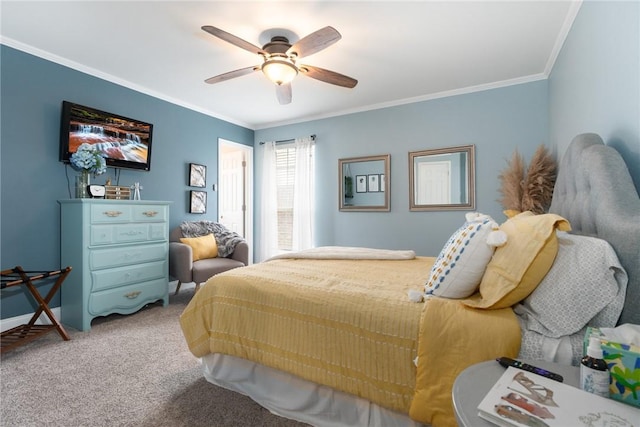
<point>497,238</point>
<point>415,296</point>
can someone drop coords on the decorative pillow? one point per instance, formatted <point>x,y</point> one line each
<point>458,269</point>
<point>518,267</point>
<point>202,247</point>
<point>586,286</point>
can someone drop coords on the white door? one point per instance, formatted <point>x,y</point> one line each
<point>434,185</point>
<point>235,192</point>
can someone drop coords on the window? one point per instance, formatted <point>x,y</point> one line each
<point>285,177</point>
<point>287,208</point>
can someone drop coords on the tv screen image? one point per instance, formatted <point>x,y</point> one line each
<point>125,142</point>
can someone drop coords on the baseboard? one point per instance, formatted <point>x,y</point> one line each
<point>12,322</point>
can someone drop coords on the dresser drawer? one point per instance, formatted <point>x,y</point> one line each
<point>127,297</point>
<point>158,232</point>
<point>111,213</point>
<point>124,233</point>
<point>149,213</point>
<point>120,276</point>
<point>116,257</point>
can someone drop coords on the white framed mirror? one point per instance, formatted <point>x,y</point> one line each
<point>442,179</point>
<point>364,183</point>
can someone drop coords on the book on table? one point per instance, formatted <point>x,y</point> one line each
<point>521,398</point>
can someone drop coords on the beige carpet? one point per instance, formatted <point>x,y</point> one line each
<point>131,370</point>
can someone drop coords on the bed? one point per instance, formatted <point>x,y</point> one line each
<point>335,336</point>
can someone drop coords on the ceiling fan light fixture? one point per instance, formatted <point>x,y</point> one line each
<point>279,70</point>
<point>279,58</point>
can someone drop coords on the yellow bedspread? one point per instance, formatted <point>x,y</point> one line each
<point>354,329</point>
<point>452,338</point>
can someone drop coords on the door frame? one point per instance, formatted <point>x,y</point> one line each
<point>248,190</point>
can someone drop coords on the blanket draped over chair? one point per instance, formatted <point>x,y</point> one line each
<point>225,238</point>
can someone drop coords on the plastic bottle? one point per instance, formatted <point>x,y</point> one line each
<point>594,375</point>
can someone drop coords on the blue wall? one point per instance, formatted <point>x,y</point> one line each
<point>32,178</point>
<point>496,121</point>
<point>595,83</point>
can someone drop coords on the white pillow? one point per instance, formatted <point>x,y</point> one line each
<point>458,270</point>
<point>585,286</point>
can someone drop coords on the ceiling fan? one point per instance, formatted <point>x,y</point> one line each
<point>279,58</point>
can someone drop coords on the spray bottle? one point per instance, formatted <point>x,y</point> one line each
<point>594,375</point>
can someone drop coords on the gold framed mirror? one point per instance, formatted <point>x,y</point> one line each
<point>364,183</point>
<point>442,179</point>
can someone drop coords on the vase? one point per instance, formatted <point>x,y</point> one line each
<point>82,182</point>
<point>348,187</point>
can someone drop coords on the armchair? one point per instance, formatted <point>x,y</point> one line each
<point>183,268</point>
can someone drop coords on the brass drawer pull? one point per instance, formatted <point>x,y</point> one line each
<point>112,214</point>
<point>132,295</point>
<point>150,213</point>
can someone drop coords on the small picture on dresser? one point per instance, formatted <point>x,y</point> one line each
<point>198,202</point>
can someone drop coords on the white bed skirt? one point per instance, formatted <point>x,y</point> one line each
<point>292,397</point>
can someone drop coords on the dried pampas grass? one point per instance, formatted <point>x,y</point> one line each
<point>531,191</point>
<point>512,179</point>
<point>538,185</point>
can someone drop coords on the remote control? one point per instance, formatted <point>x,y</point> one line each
<point>505,361</point>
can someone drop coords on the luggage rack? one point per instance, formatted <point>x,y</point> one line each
<point>25,333</point>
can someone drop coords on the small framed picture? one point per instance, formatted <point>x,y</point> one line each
<point>361,183</point>
<point>197,175</point>
<point>373,185</point>
<point>198,202</point>
<point>383,182</point>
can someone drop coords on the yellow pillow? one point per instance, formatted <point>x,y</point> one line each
<point>202,247</point>
<point>517,267</point>
<point>510,213</point>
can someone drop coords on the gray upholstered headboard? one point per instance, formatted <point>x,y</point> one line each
<point>595,193</point>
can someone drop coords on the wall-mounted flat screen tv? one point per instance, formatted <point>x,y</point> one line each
<point>125,142</point>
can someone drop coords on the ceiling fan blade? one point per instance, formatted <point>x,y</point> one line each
<point>234,40</point>
<point>283,92</point>
<point>328,76</point>
<point>315,42</point>
<point>232,74</point>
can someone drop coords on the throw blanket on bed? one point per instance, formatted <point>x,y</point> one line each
<point>225,238</point>
<point>346,252</point>
<point>347,324</point>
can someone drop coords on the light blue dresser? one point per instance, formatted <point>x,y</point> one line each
<point>118,250</point>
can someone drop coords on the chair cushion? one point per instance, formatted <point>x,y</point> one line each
<point>204,269</point>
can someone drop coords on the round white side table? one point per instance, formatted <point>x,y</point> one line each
<point>474,383</point>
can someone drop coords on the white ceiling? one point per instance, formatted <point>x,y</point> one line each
<point>399,52</point>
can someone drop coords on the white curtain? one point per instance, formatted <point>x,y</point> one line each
<point>303,195</point>
<point>269,204</point>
